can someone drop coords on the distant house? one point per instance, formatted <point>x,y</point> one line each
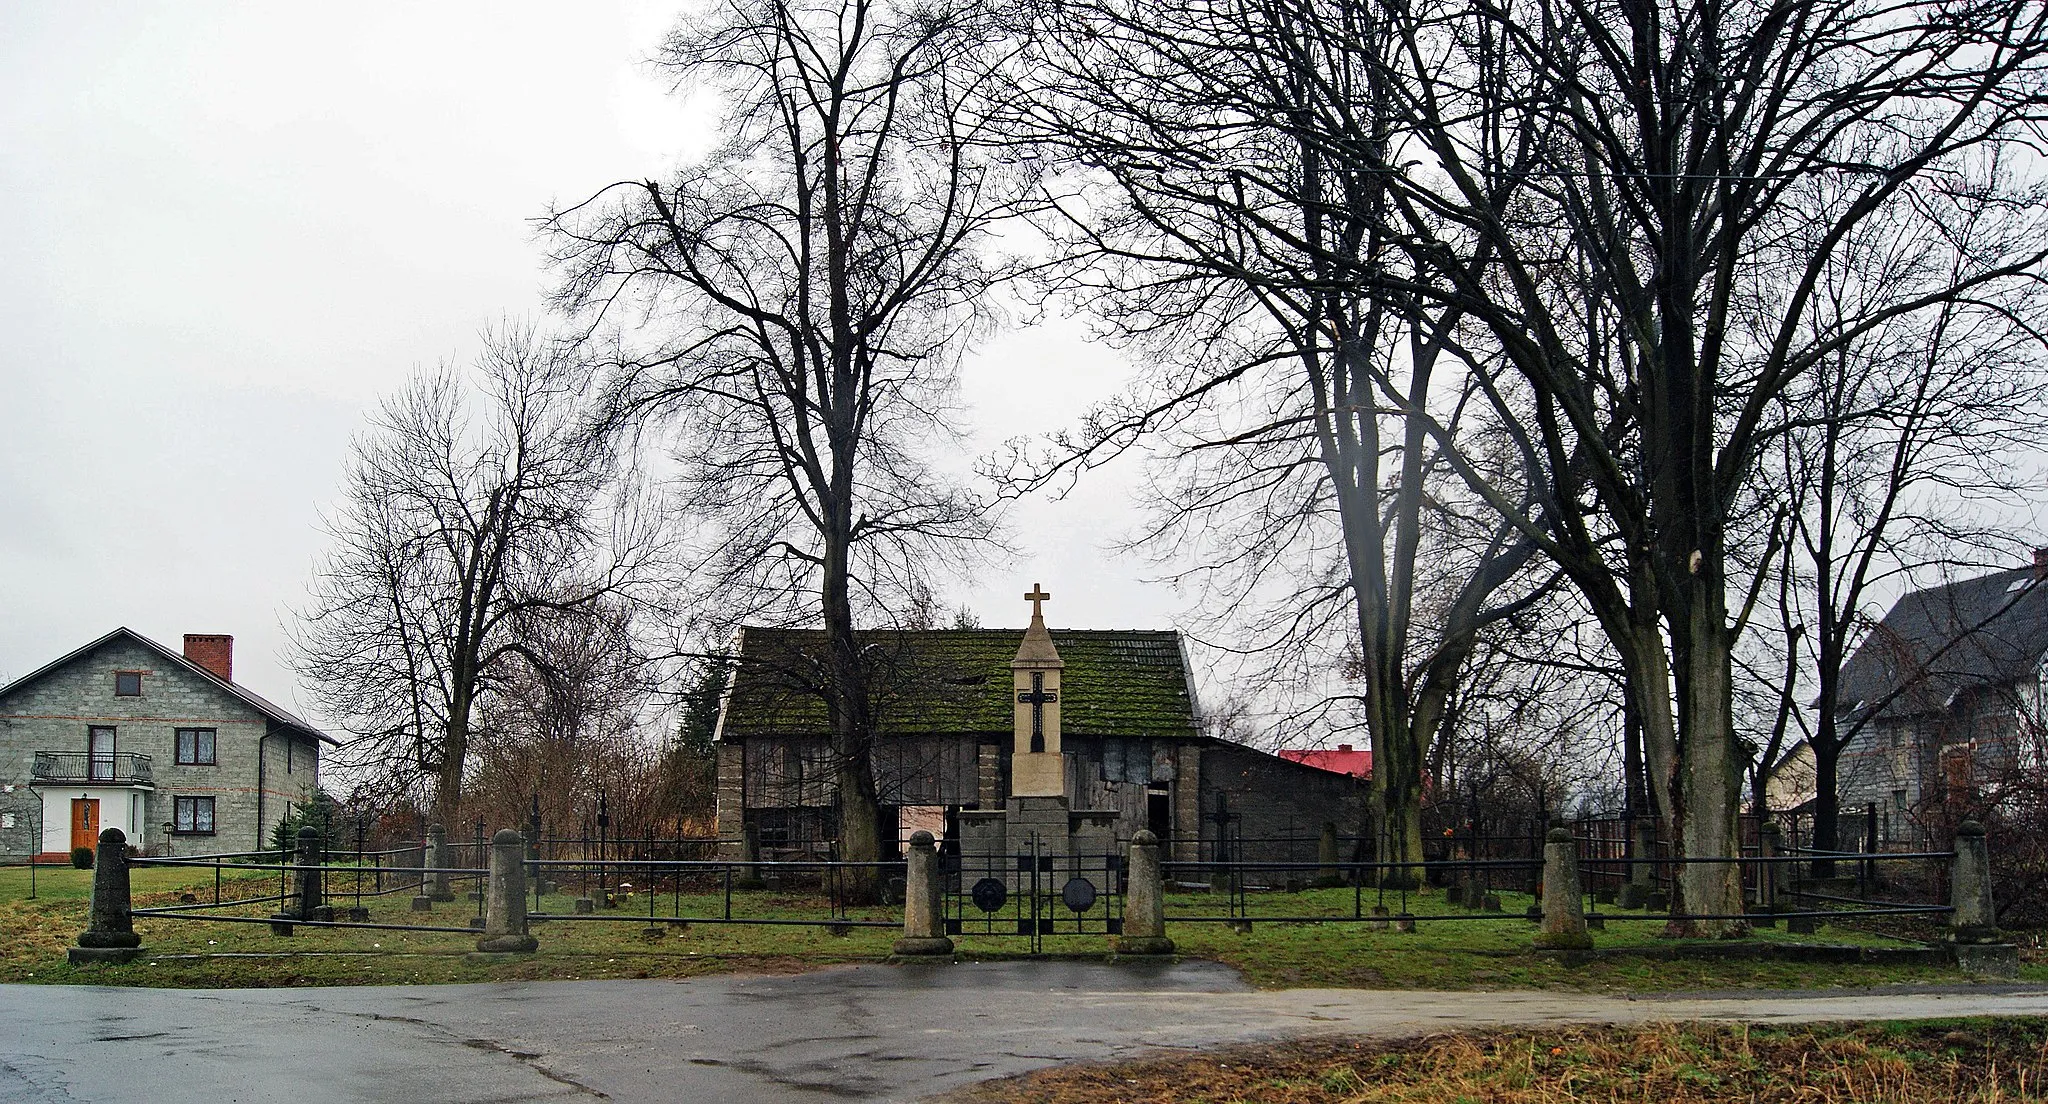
<point>126,733</point>
<point>1950,687</point>
<point>1342,759</point>
<point>1127,752</point>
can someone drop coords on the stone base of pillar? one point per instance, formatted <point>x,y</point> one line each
<point>585,906</point>
<point>922,946</point>
<point>281,923</point>
<point>1142,946</point>
<point>358,915</point>
<point>423,904</point>
<point>1998,960</point>
<point>1563,941</point>
<point>507,944</point>
<point>102,956</point>
<point>447,895</point>
<point>324,914</point>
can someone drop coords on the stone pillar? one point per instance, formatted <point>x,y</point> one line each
<point>505,911</point>
<point>1327,857</point>
<point>924,920</point>
<point>109,935</point>
<point>311,903</point>
<point>1970,887</point>
<point>1144,901</point>
<point>438,887</point>
<point>1635,889</point>
<point>305,903</point>
<point>1564,920</point>
<point>1770,844</point>
<point>731,798</point>
<point>1979,946</point>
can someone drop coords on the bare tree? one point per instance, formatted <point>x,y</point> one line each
<point>470,520</point>
<point>1895,458</point>
<point>790,310</point>
<point>1659,156</point>
<point>1209,233</point>
<point>570,724</point>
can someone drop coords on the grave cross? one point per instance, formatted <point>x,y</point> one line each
<point>1036,596</point>
<point>1038,697</point>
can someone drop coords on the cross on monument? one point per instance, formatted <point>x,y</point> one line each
<point>1036,596</point>
<point>1038,697</point>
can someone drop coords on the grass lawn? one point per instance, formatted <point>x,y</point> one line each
<point>1441,955</point>
<point>1890,1063</point>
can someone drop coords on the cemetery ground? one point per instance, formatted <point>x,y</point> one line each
<point>1462,954</point>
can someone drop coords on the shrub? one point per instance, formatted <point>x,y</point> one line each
<point>81,857</point>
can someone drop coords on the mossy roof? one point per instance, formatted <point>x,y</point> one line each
<point>1116,682</point>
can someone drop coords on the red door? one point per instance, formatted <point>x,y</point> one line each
<point>85,822</point>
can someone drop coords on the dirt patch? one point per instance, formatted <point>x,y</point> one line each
<point>1890,1063</point>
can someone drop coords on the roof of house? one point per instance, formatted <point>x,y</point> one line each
<point>1116,682</point>
<point>1342,759</point>
<point>248,697</point>
<point>1944,641</point>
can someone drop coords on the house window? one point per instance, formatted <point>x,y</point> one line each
<point>127,684</point>
<point>195,747</point>
<point>99,753</point>
<point>192,815</point>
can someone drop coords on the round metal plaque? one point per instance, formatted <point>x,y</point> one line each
<point>1079,894</point>
<point>989,894</point>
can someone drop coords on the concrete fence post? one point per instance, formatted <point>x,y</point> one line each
<point>924,920</point>
<point>312,903</point>
<point>1635,890</point>
<point>1970,887</point>
<point>1769,845</point>
<point>1564,919</point>
<point>1144,927</point>
<point>109,935</point>
<point>304,903</point>
<point>1980,948</point>
<point>505,908</point>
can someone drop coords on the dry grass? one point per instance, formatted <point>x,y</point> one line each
<point>1978,1061</point>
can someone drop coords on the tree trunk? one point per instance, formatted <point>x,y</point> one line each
<point>1710,778</point>
<point>448,773</point>
<point>1827,797</point>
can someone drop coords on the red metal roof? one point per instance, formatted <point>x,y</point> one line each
<point>1342,759</point>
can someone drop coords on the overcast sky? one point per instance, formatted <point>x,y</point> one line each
<point>229,228</point>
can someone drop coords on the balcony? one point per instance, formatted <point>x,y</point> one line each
<point>71,768</point>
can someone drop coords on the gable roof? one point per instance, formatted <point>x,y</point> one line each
<point>1342,759</point>
<point>1117,682</point>
<point>243,694</point>
<point>1949,640</point>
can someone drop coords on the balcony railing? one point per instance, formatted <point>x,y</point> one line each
<point>121,769</point>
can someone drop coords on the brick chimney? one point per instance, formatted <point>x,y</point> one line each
<point>214,652</point>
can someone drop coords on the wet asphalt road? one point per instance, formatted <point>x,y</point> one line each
<point>859,1033</point>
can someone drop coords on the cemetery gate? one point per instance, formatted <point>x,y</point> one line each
<point>1033,893</point>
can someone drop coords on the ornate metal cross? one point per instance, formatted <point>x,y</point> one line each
<point>1038,697</point>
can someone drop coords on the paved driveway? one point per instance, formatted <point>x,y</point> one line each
<point>858,1033</point>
